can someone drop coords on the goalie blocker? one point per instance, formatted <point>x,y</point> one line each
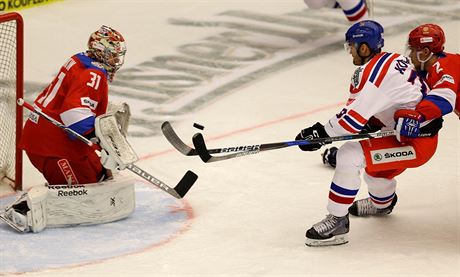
<point>62,205</point>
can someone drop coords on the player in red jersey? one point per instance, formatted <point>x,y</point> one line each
<point>77,95</point>
<point>381,84</point>
<point>442,73</point>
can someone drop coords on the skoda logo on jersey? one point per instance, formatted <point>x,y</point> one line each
<point>377,157</point>
<point>393,155</point>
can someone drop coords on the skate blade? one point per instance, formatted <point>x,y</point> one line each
<point>335,240</point>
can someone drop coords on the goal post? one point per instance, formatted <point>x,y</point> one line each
<point>11,88</point>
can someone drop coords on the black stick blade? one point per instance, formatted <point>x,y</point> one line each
<point>200,147</point>
<point>186,183</point>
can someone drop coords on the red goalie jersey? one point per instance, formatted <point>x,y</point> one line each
<point>77,95</point>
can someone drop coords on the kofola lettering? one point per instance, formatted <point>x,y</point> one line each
<point>241,148</point>
<point>72,192</point>
<point>15,4</point>
<point>399,154</point>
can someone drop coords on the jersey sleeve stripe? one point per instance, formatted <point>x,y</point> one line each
<point>357,12</point>
<point>75,115</point>
<point>357,116</point>
<point>377,67</point>
<point>443,105</point>
<point>84,126</point>
<point>352,122</point>
<point>348,127</point>
<point>385,70</point>
<point>366,73</point>
<point>356,9</point>
<point>446,93</point>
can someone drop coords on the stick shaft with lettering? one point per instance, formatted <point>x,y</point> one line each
<point>178,191</point>
<point>205,155</point>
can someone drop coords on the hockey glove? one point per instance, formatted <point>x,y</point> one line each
<point>330,156</point>
<point>315,131</point>
<point>373,125</point>
<point>407,124</point>
<point>109,162</point>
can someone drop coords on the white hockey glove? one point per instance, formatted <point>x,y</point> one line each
<point>109,162</point>
<point>122,113</point>
<point>116,152</point>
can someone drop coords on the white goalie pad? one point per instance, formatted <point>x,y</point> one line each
<point>63,205</point>
<point>122,113</point>
<point>91,203</point>
<point>113,142</point>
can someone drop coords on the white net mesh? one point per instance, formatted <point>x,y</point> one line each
<point>7,99</point>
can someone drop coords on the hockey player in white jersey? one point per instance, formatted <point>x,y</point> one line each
<point>354,10</point>
<point>381,84</point>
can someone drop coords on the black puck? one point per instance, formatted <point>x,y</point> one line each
<point>198,126</point>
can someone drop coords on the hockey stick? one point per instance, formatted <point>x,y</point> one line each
<point>175,141</point>
<point>205,155</point>
<point>179,191</point>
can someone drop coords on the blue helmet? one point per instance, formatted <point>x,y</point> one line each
<point>366,31</point>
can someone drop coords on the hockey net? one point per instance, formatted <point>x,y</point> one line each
<point>11,88</point>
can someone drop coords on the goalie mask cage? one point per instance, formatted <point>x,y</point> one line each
<point>11,88</point>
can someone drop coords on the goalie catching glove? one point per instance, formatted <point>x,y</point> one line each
<point>313,132</point>
<point>116,152</point>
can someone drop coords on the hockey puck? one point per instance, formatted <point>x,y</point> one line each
<point>198,126</point>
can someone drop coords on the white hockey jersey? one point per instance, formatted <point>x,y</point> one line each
<point>386,83</point>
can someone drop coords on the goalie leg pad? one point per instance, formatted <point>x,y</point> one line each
<point>63,205</point>
<point>90,204</point>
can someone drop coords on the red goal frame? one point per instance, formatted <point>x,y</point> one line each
<point>13,16</point>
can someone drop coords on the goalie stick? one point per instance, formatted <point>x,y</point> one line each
<point>179,191</point>
<point>205,154</point>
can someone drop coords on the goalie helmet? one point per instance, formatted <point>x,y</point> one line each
<point>108,47</point>
<point>366,31</point>
<point>427,35</point>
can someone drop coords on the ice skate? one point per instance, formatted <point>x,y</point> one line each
<point>330,231</point>
<point>365,207</point>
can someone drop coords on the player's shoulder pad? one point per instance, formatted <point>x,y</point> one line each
<point>91,64</point>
